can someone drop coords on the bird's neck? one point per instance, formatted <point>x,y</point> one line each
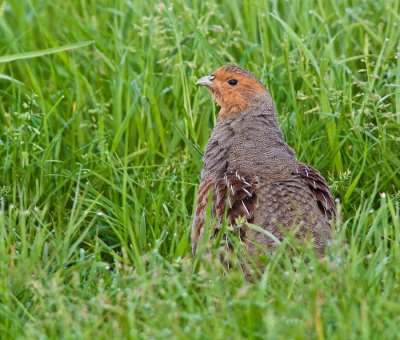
<point>247,141</point>
<point>256,122</point>
<point>243,101</point>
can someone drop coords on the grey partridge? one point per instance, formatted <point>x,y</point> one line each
<point>251,173</point>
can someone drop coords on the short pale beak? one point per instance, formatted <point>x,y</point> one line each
<point>206,81</point>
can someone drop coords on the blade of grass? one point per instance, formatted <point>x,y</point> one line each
<point>40,53</point>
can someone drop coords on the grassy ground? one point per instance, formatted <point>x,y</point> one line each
<point>99,163</point>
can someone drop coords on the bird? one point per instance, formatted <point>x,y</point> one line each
<point>251,174</point>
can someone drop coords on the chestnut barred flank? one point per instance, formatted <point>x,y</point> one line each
<point>233,196</point>
<point>318,187</point>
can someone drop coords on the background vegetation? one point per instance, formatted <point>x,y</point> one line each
<point>99,163</point>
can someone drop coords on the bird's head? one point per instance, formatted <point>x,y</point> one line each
<point>234,89</point>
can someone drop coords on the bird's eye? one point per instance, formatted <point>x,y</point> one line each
<point>232,82</point>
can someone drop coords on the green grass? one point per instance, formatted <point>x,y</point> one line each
<point>100,161</point>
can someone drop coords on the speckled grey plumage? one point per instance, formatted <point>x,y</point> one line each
<point>287,194</point>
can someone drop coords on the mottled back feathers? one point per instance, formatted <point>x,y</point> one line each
<point>251,173</point>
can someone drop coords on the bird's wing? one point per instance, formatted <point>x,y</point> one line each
<point>233,195</point>
<point>320,190</point>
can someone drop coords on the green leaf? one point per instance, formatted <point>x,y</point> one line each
<point>40,53</point>
<point>11,79</point>
<point>293,36</point>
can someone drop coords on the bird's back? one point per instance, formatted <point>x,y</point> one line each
<point>251,173</point>
<point>252,170</point>
<point>285,207</point>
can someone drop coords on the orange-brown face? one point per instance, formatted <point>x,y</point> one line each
<point>233,88</point>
